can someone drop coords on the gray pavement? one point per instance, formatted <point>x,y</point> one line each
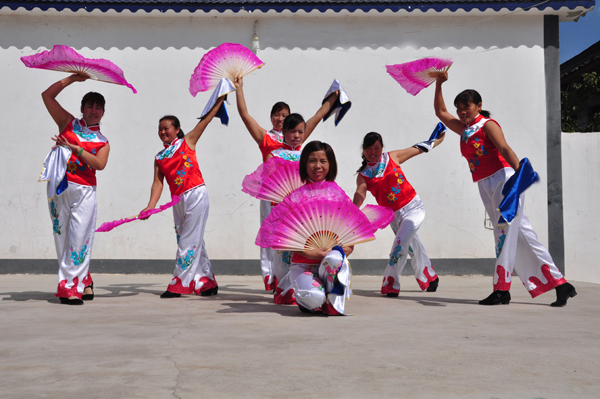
<point>129,343</point>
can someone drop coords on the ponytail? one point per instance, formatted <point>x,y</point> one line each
<point>369,140</point>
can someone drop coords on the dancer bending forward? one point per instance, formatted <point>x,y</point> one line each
<point>492,162</point>
<point>178,164</point>
<point>381,174</point>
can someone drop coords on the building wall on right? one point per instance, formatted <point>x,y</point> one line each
<point>581,194</point>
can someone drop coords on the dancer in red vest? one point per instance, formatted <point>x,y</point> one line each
<point>492,162</point>
<point>73,212</point>
<point>380,174</point>
<point>268,141</point>
<point>179,165</point>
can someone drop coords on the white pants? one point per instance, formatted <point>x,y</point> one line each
<point>73,215</point>
<point>405,225</point>
<point>193,272</point>
<point>266,254</point>
<point>284,292</point>
<point>323,285</point>
<point>517,245</point>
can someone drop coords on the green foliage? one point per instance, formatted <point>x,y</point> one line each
<point>575,98</point>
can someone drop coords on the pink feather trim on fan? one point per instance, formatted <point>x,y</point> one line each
<point>65,59</point>
<point>225,61</point>
<point>273,180</point>
<point>314,216</point>
<point>108,226</point>
<point>416,75</point>
<point>379,216</point>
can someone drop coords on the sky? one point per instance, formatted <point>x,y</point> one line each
<point>575,37</point>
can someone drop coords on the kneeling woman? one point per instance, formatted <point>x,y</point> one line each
<point>320,277</point>
<point>177,162</point>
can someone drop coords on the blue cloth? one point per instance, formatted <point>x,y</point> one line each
<point>427,146</point>
<point>512,190</point>
<point>224,87</point>
<point>342,103</point>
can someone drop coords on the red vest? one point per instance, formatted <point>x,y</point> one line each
<point>91,140</point>
<point>482,155</point>
<point>271,141</point>
<point>387,183</point>
<point>179,165</point>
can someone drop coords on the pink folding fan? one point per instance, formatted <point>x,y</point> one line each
<point>273,180</point>
<point>108,226</point>
<point>318,221</point>
<point>416,75</point>
<point>229,60</point>
<point>379,216</point>
<point>65,59</point>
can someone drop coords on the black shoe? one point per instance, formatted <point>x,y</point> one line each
<point>305,310</point>
<point>89,297</point>
<point>563,292</point>
<point>496,298</point>
<point>392,294</point>
<point>169,294</point>
<point>74,301</point>
<point>211,291</point>
<point>433,285</point>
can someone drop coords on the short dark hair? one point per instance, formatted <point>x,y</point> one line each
<point>175,122</point>
<point>93,98</point>
<point>291,121</point>
<point>318,146</point>
<point>470,96</point>
<point>278,107</point>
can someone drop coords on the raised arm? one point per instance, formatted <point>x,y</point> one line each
<point>194,135</point>
<point>441,111</point>
<point>57,112</point>
<point>312,123</point>
<point>361,191</point>
<point>495,134</point>
<point>255,130</point>
<point>401,156</point>
<point>156,190</point>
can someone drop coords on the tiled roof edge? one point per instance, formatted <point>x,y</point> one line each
<point>280,7</point>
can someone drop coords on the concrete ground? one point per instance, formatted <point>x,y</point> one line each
<point>129,343</point>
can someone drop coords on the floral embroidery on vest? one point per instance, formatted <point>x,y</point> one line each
<point>184,169</point>
<point>78,130</point>
<point>397,188</point>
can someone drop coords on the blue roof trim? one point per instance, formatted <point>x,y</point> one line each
<point>279,6</point>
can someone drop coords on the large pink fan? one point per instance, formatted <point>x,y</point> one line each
<point>229,60</point>
<point>65,59</point>
<point>379,216</point>
<point>108,226</point>
<point>317,221</point>
<point>416,75</point>
<point>273,180</point>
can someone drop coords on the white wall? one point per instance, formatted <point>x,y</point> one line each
<point>500,57</point>
<point>581,190</point>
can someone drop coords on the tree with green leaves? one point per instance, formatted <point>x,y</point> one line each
<point>577,97</point>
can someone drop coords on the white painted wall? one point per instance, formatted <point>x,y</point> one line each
<point>502,57</point>
<point>581,190</point>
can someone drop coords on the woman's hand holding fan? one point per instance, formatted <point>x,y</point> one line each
<point>229,60</point>
<point>65,59</point>
<point>416,75</point>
